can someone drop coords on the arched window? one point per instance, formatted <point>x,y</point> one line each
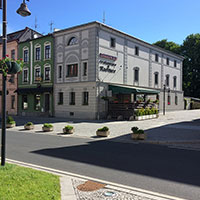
<point>72,41</point>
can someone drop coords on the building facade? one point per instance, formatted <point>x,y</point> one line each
<point>35,83</point>
<point>92,59</point>
<point>13,40</point>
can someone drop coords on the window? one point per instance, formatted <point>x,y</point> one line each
<point>136,50</point>
<point>37,74</point>
<point>47,73</point>
<point>156,78</point>
<point>60,98</point>
<point>136,75</point>
<point>24,102</point>
<point>47,51</point>
<point>26,55</point>
<point>13,54</point>
<point>13,102</point>
<point>72,98</point>
<point>60,71</point>
<point>112,42</point>
<point>72,70</point>
<point>169,99</point>
<point>167,80</point>
<point>174,63</point>
<point>156,57</point>
<point>175,81</point>
<point>37,102</point>
<point>12,79</point>
<point>25,75</point>
<point>85,69</point>
<point>167,61</point>
<point>176,100</point>
<point>72,41</point>
<point>37,53</point>
<point>85,98</point>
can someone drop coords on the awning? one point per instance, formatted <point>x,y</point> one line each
<point>38,90</point>
<point>122,89</point>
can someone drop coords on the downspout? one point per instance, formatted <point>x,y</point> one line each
<point>31,63</point>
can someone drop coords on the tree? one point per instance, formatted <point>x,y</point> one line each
<point>191,65</point>
<point>170,46</point>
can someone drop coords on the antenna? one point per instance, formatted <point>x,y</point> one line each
<point>36,25</point>
<point>51,26</point>
<point>104,17</point>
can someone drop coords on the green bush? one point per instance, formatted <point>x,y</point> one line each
<point>134,129</point>
<point>137,113</point>
<point>68,128</point>
<point>46,125</point>
<point>29,123</point>
<point>156,111</point>
<point>142,111</point>
<point>10,120</point>
<point>105,128</point>
<point>140,131</point>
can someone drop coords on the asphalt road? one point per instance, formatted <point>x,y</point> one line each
<point>156,168</point>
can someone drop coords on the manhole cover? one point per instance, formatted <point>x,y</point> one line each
<point>109,194</point>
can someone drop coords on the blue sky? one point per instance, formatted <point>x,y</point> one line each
<point>149,20</point>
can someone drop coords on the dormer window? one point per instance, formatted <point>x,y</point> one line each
<point>72,41</point>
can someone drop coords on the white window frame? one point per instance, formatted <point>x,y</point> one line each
<point>24,49</point>
<point>45,66</point>
<point>47,44</point>
<point>36,67</point>
<point>25,68</point>
<point>37,46</point>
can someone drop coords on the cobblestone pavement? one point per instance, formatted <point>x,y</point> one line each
<point>118,194</point>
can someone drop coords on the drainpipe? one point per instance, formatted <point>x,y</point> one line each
<point>31,62</point>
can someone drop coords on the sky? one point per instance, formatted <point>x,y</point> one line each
<point>149,20</point>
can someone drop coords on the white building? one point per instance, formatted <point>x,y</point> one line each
<point>93,59</point>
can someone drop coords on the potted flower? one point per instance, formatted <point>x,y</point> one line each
<point>141,134</point>
<point>103,132</point>
<point>68,129</point>
<point>10,66</point>
<point>29,126</point>
<point>10,123</point>
<point>134,134</point>
<point>47,127</point>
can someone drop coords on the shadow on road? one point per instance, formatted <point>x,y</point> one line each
<point>156,161</point>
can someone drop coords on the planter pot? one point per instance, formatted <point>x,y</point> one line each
<point>157,115</point>
<point>68,131</point>
<point>45,129</point>
<point>14,68</point>
<point>131,118</point>
<point>29,127</point>
<point>142,136</point>
<point>103,133</point>
<point>10,125</point>
<point>134,136</point>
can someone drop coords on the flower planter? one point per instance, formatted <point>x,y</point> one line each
<point>103,133</point>
<point>141,136</point>
<point>134,136</point>
<point>68,131</point>
<point>10,125</point>
<point>29,127</point>
<point>14,68</point>
<point>47,129</point>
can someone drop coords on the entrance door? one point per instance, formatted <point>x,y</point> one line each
<point>47,103</point>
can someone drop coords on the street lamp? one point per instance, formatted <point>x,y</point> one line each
<point>23,11</point>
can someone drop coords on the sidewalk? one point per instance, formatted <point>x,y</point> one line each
<point>174,127</point>
<point>106,190</point>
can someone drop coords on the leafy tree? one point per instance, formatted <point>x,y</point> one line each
<point>170,46</point>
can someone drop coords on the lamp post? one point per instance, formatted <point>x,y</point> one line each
<point>164,89</point>
<point>23,11</point>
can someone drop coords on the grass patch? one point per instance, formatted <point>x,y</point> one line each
<point>20,183</point>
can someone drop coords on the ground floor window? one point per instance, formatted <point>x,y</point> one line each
<point>24,102</point>
<point>72,98</point>
<point>169,99</point>
<point>37,102</point>
<point>13,102</point>
<point>60,98</point>
<point>85,98</point>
